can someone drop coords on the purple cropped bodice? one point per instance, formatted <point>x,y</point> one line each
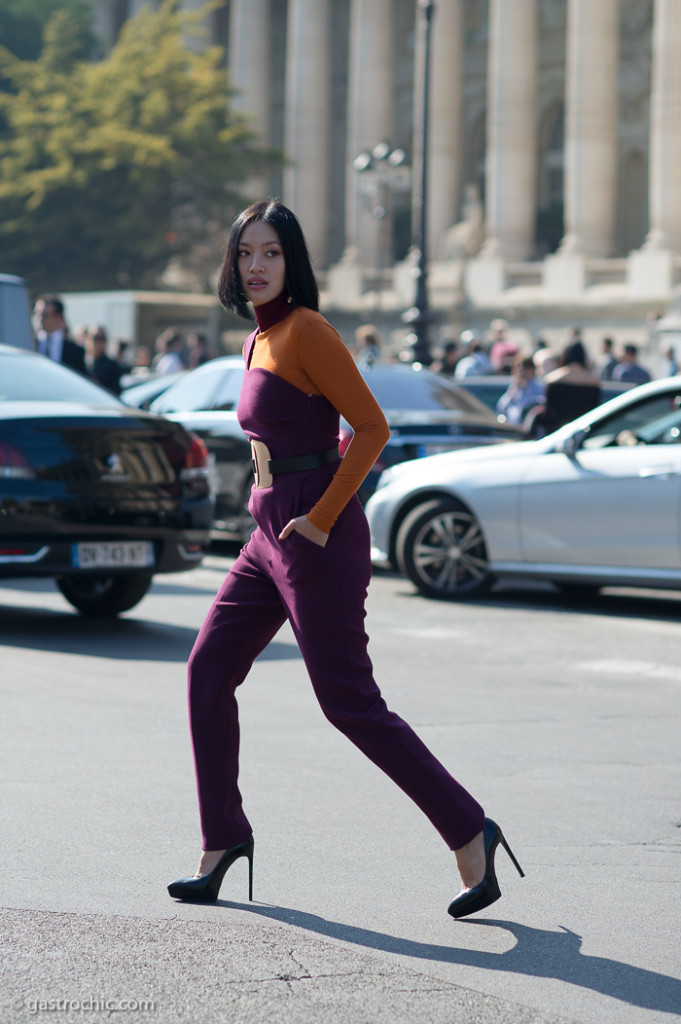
<point>282,416</point>
<point>290,423</point>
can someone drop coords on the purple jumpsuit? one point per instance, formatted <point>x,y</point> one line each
<point>321,591</point>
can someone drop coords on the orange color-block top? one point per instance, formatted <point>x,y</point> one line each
<point>307,352</point>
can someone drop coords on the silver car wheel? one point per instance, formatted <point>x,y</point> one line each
<point>443,551</point>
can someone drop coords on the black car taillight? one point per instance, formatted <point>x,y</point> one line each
<point>14,464</point>
<point>195,460</point>
<point>195,472</point>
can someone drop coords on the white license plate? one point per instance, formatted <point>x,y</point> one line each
<point>434,449</point>
<point>111,555</point>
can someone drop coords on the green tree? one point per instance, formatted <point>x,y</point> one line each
<point>109,169</point>
<point>22,23</point>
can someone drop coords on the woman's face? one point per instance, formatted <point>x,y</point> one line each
<point>261,263</point>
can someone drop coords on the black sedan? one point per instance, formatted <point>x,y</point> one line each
<point>96,495</point>
<point>426,413</point>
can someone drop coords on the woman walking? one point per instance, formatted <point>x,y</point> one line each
<point>308,562</point>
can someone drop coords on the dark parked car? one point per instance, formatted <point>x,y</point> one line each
<point>94,494</point>
<point>426,413</point>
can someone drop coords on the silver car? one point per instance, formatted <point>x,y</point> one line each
<point>596,503</point>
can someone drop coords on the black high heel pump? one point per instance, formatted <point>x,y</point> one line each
<point>205,888</point>
<point>480,896</point>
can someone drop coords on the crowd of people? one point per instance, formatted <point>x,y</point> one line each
<point>90,351</point>
<point>546,388</point>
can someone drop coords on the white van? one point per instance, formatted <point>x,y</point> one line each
<point>15,312</point>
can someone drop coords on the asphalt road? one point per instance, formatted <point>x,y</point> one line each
<point>562,718</point>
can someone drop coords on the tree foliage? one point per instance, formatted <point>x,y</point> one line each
<point>22,21</point>
<point>108,169</point>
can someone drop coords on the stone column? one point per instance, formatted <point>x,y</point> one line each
<point>511,129</point>
<point>370,115</point>
<point>446,103</point>
<point>591,127</point>
<point>248,72</point>
<point>665,129</point>
<point>308,118</point>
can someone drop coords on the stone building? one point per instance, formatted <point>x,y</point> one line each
<point>554,150</point>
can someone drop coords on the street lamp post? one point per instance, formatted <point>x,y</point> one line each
<point>419,316</point>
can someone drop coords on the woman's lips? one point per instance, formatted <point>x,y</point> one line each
<point>257,283</point>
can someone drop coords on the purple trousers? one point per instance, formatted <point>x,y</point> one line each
<point>321,591</point>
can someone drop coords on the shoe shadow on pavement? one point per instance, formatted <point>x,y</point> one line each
<point>538,953</point>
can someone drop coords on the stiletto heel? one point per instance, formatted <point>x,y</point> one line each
<point>250,872</point>
<point>509,851</point>
<point>480,896</point>
<point>206,888</point>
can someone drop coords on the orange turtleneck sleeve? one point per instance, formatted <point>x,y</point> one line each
<point>306,351</point>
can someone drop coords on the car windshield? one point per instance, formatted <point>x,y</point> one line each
<point>402,388</point>
<point>214,386</point>
<point>655,420</point>
<point>25,377</point>
<point>148,390</point>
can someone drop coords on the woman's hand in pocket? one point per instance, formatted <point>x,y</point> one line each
<point>303,526</point>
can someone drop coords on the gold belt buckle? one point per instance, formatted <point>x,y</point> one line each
<point>260,458</point>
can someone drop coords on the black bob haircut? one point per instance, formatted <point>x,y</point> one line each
<point>300,283</point>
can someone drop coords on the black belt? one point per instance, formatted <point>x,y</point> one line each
<point>296,462</point>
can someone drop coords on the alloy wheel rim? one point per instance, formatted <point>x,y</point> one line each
<point>449,552</point>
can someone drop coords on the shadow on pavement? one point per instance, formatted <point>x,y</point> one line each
<point>612,602</point>
<point>537,953</point>
<point>117,638</point>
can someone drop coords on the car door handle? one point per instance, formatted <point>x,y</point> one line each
<point>663,471</point>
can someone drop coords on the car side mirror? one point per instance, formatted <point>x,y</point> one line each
<point>573,443</point>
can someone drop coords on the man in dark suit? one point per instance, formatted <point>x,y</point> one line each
<point>101,367</point>
<point>53,336</point>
